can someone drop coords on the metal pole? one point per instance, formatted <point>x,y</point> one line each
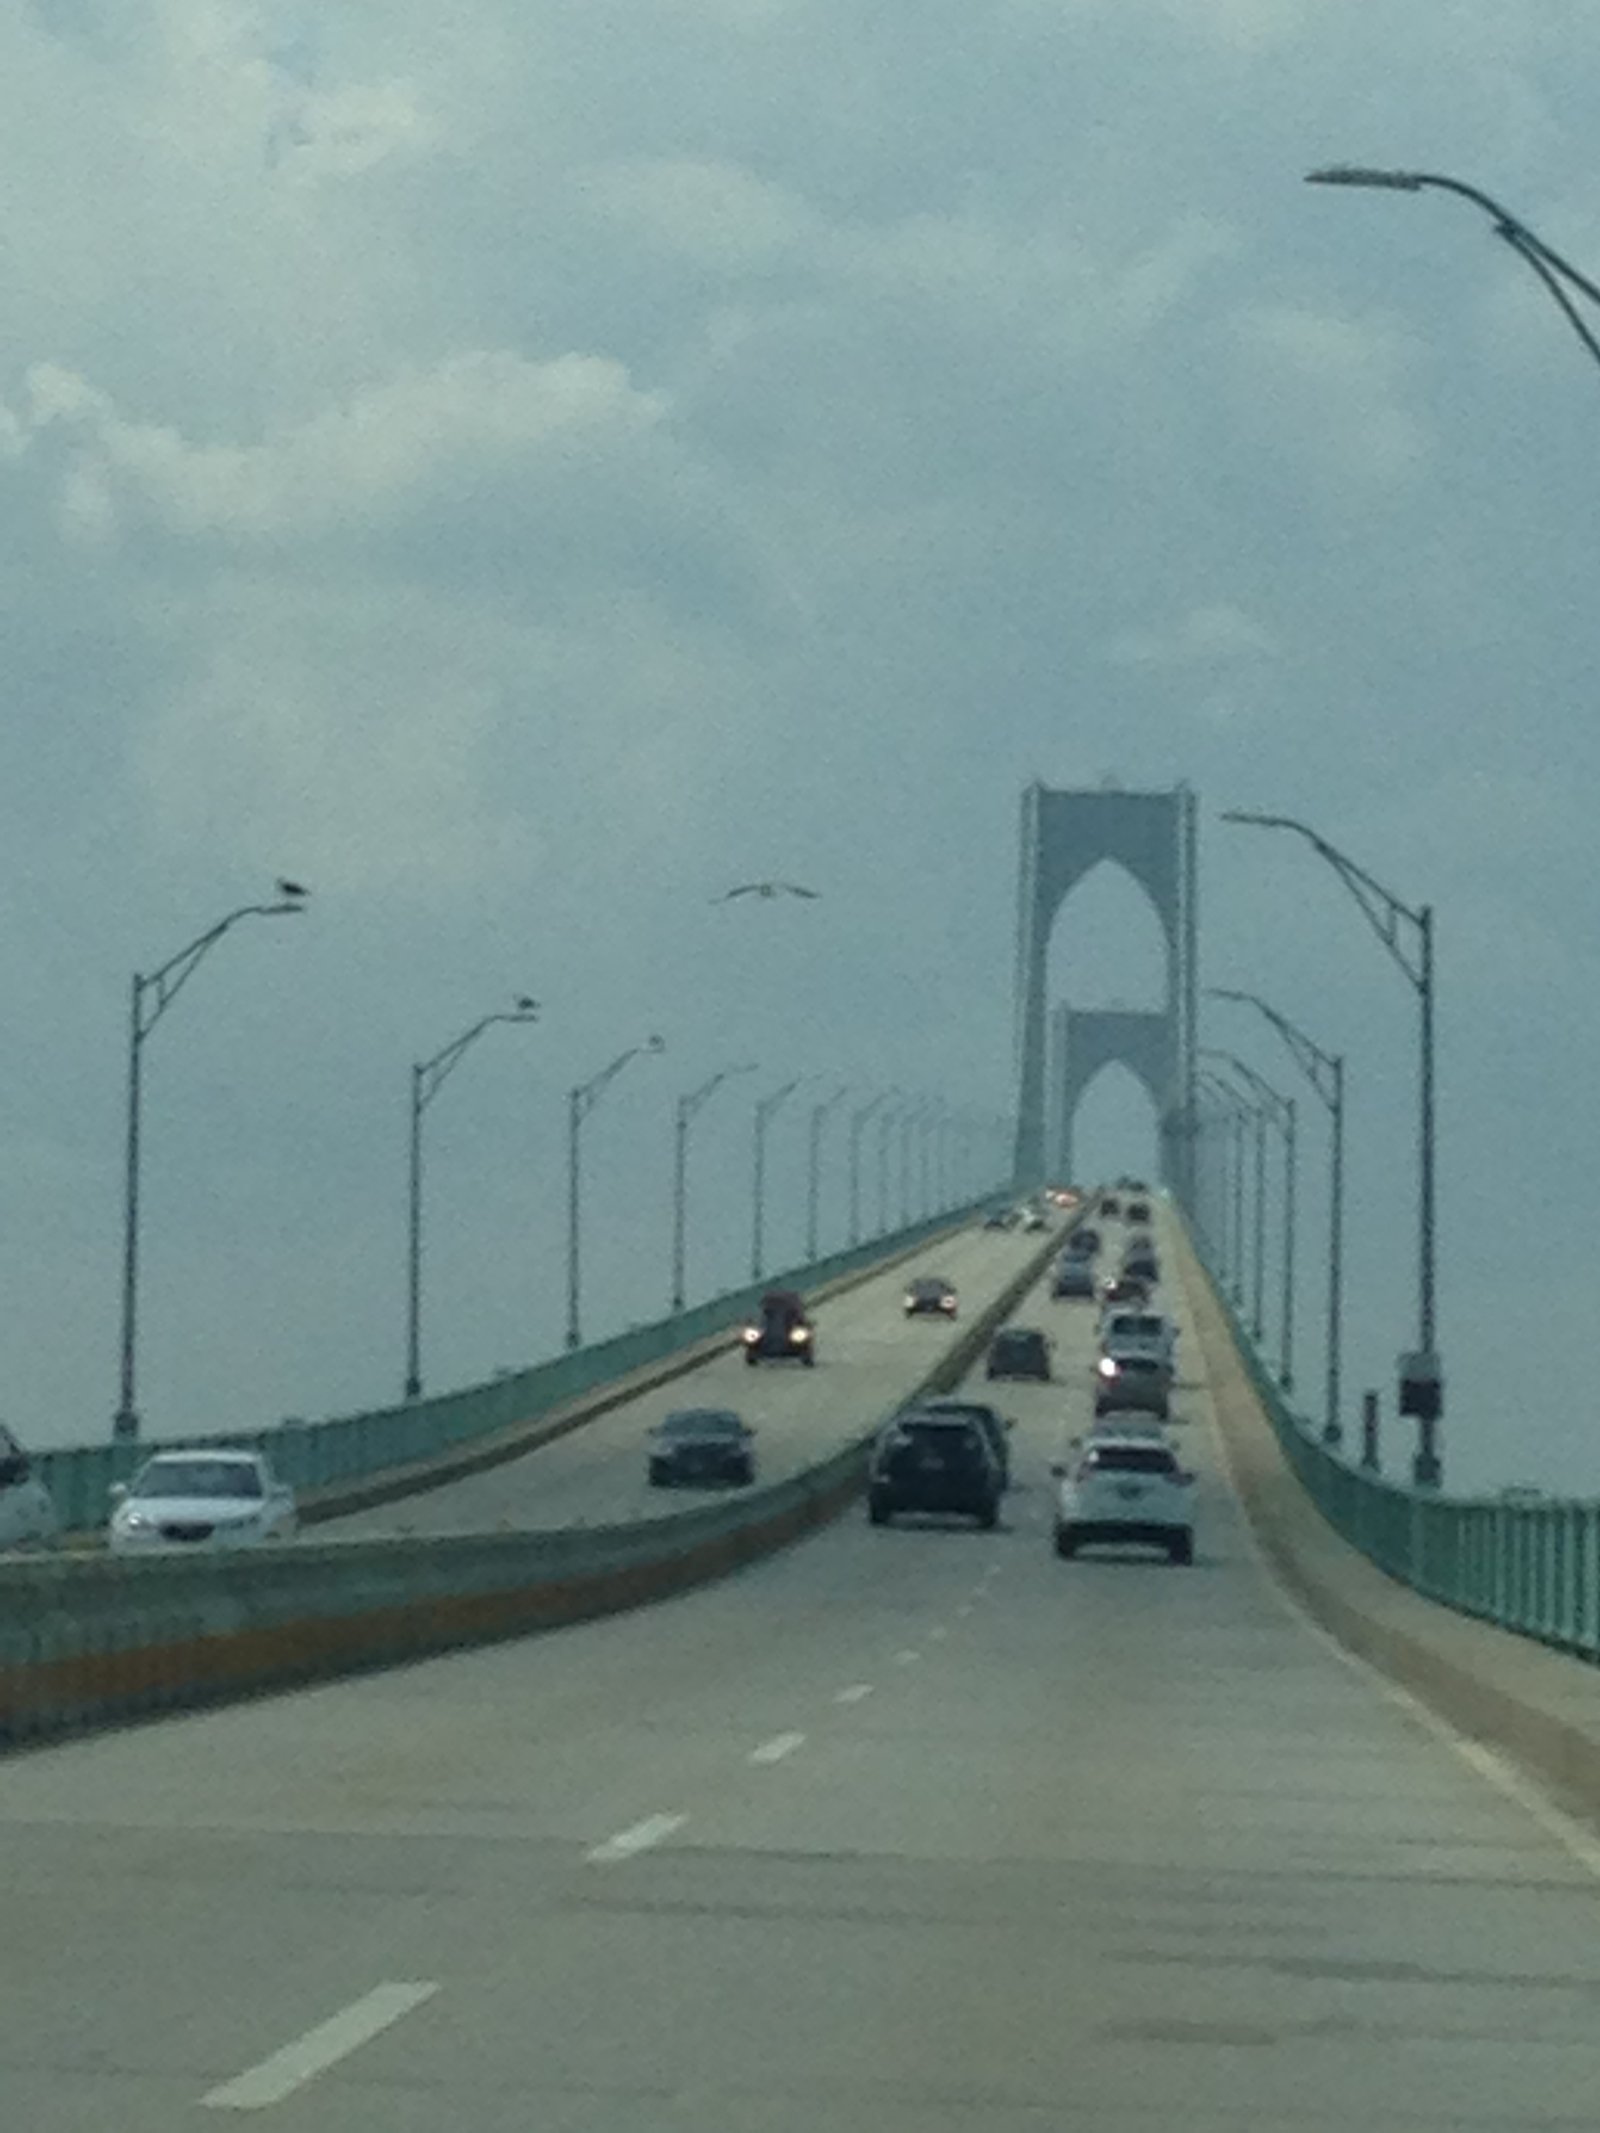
<point>125,1423</point>
<point>1258,1283</point>
<point>1370,1458</point>
<point>1238,1205</point>
<point>680,1194</point>
<point>1426,1326</point>
<point>574,1270</point>
<point>885,1128</point>
<point>414,1246</point>
<point>1333,1424</point>
<point>759,1195</point>
<point>1291,1164</point>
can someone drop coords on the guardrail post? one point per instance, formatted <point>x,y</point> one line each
<point>1370,1459</point>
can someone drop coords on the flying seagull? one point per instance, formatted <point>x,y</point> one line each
<point>291,888</point>
<point>525,1006</point>
<point>767,889</point>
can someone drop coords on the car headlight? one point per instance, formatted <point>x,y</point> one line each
<point>910,1303</point>
<point>800,1334</point>
<point>1108,1366</point>
<point>750,1335</point>
<point>134,1522</point>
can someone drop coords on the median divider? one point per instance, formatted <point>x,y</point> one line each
<point>88,1640</point>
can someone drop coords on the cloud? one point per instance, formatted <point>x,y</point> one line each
<point>1214,634</point>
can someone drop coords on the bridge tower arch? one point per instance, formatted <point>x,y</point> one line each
<point>1153,837</point>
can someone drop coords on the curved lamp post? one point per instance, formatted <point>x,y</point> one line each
<point>767,1108</point>
<point>1282,1110</point>
<point>689,1109</point>
<point>820,1114</point>
<point>1406,931</point>
<point>1558,275</point>
<point>858,1124</point>
<point>580,1102</point>
<point>151,996</point>
<point>1325,1072</point>
<point>428,1077</point>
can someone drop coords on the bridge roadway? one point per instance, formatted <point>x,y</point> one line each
<point>905,1831</point>
<point>867,1356</point>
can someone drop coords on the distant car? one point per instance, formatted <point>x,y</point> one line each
<point>1110,1207</point>
<point>1083,1243</point>
<point>202,1499</point>
<point>929,1297</point>
<point>1002,1218</point>
<point>1127,1330</point>
<point>1019,1352</point>
<point>1138,1210</point>
<point>1124,1288</point>
<point>1031,1219</point>
<point>1127,1489</point>
<point>936,1463</point>
<point>1073,1278</point>
<point>701,1444</point>
<point>780,1331</point>
<point>28,1517</point>
<point>1141,1265</point>
<point>1133,1380</point>
<point>993,1424</point>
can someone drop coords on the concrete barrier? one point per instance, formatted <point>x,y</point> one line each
<point>1540,1707</point>
<point>90,1639</point>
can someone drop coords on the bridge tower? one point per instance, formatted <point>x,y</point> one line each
<point>1153,836</point>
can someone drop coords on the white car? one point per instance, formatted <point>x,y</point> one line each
<point>201,1499</point>
<point>28,1517</point>
<point>1126,1488</point>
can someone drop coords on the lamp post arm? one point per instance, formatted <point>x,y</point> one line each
<point>432,1074</point>
<point>156,992</point>
<point>1320,1068</point>
<point>1383,910</point>
<point>1541,260</point>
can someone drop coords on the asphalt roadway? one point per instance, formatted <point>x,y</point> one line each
<point>904,1831</point>
<point>867,1356</point>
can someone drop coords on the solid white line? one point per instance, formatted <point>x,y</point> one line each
<point>774,1750</point>
<point>637,1839</point>
<point>854,1693</point>
<point>318,2049</point>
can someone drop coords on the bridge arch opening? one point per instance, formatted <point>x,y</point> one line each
<point>1114,1129</point>
<point>1108,947</point>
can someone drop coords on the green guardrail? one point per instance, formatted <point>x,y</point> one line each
<point>350,1448</point>
<point>1533,1568</point>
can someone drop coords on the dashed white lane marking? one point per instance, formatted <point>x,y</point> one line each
<point>310,2055</point>
<point>774,1750</point>
<point>639,1838</point>
<point>855,1693</point>
<point>905,1658</point>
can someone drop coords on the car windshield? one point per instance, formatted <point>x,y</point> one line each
<point>1135,1326</point>
<point>1130,1459</point>
<point>198,1477</point>
<point>1019,1343</point>
<point>940,1435</point>
<point>701,1422</point>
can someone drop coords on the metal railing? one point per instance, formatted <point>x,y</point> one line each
<point>1533,1568</point>
<point>346,1449</point>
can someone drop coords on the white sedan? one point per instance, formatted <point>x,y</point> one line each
<point>201,1499</point>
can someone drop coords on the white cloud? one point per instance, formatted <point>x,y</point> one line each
<point>1213,634</point>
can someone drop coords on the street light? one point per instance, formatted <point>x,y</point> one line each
<point>1407,933</point>
<point>1236,1110</point>
<point>819,1118</point>
<point>767,1108</point>
<point>1325,1072</point>
<point>1283,1111</point>
<point>427,1078</point>
<point>858,1122</point>
<point>886,1121</point>
<point>689,1109</point>
<point>1545,261</point>
<point>580,1102</point>
<point>1258,1111</point>
<point>151,996</point>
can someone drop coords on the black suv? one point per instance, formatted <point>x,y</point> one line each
<point>1138,1210</point>
<point>1019,1352</point>
<point>701,1444</point>
<point>780,1330</point>
<point>993,1424</point>
<point>934,1463</point>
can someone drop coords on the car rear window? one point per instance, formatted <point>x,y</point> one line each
<point>1130,1459</point>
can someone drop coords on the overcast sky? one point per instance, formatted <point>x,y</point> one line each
<point>522,465</point>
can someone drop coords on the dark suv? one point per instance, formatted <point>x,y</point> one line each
<point>934,1463</point>
<point>994,1425</point>
<point>1019,1352</point>
<point>781,1330</point>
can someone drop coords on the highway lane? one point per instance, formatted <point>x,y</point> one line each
<point>916,1831</point>
<point>868,1355</point>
